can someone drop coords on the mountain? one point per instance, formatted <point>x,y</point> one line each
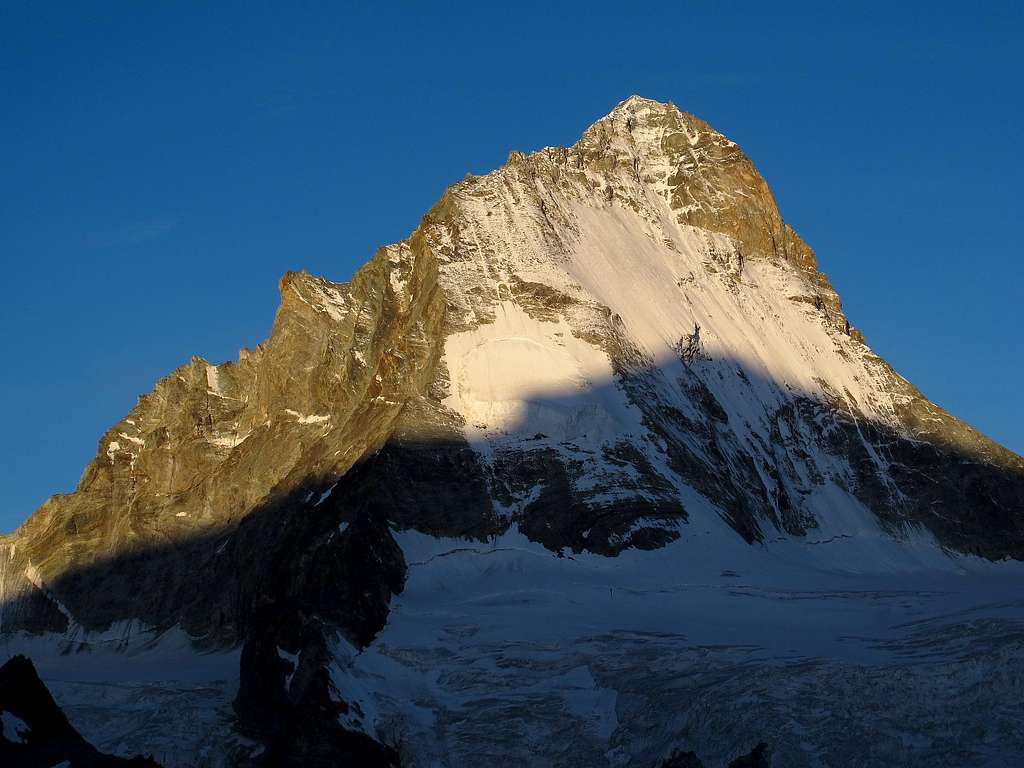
<point>598,426</point>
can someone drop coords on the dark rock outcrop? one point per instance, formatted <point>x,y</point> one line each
<point>759,757</point>
<point>680,759</point>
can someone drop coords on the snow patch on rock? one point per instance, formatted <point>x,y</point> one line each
<point>518,377</point>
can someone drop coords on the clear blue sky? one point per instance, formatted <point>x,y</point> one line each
<point>164,163</point>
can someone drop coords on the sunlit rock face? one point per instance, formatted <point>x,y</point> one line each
<point>512,378</point>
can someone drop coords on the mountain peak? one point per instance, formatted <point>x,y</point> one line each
<point>645,149</point>
<point>638,111</point>
<point>637,103</point>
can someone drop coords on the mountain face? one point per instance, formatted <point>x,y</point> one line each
<point>616,354</point>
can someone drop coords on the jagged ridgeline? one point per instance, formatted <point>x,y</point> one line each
<point>589,345</point>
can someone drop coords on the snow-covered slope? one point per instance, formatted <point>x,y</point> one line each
<point>578,273</point>
<point>590,467</point>
<point>503,653</point>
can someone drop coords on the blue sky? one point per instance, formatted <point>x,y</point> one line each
<point>163,164</point>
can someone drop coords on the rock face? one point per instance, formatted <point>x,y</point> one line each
<point>512,365</point>
<point>36,732</point>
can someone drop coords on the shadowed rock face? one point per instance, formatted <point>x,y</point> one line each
<point>511,364</point>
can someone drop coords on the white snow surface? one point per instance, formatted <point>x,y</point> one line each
<point>751,322</point>
<point>519,377</point>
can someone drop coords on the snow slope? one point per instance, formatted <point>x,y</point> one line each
<point>508,376</point>
<point>506,654</point>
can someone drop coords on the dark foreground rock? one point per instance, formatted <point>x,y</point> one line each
<point>680,759</point>
<point>759,757</point>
